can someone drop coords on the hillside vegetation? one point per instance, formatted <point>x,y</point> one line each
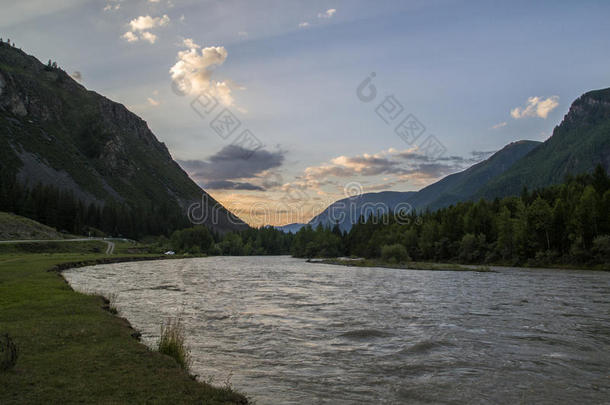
<point>17,227</point>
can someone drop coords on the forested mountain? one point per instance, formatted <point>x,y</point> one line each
<point>564,224</point>
<point>72,158</point>
<point>449,190</point>
<point>577,145</point>
<point>462,186</point>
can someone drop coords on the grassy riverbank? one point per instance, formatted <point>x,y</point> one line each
<point>406,266</point>
<point>72,350</point>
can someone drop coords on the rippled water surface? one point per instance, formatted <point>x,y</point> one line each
<point>292,332</point>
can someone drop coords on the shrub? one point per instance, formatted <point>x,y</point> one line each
<point>8,353</point>
<point>173,342</point>
<point>601,248</point>
<point>395,253</point>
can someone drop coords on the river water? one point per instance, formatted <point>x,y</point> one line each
<point>289,332</point>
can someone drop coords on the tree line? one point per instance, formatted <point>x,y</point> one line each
<point>63,210</point>
<point>567,224</point>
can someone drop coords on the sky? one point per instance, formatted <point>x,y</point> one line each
<point>278,108</point>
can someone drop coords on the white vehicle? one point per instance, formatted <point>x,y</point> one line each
<point>170,252</point>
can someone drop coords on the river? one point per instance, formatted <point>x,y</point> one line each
<point>289,332</point>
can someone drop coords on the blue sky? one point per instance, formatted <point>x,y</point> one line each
<point>476,74</point>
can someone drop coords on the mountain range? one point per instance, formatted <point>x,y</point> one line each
<point>577,145</point>
<point>56,133</point>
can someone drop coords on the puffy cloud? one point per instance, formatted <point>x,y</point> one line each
<point>130,36</point>
<point>189,43</point>
<point>148,36</point>
<point>304,24</point>
<point>367,165</point>
<point>147,22</point>
<point>234,168</point>
<point>499,125</point>
<point>328,13</point>
<point>193,71</point>
<point>536,107</point>
<point>153,102</point>
<point>141,26</point>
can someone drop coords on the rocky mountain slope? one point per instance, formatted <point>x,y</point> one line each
<point>55,132</point>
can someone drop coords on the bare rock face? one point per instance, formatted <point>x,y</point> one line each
<point>98,148</point>
<point>589,108</point>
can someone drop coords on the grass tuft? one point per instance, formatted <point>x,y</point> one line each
<point>173,342</point>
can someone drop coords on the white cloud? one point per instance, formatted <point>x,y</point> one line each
<point>130,36</point>
<point>328,13</point>
<point>153,102</point>
<point>499,125</point>
<point>189,43</point>
<point>149,36</point>
<point>141,26</point>
<point>304,24</point>
<point>242,34</point>
<point>110,7</point>
<point>147,22</point>
<point>536,107</point>
<point>154,1</point>
<point>193,72</point>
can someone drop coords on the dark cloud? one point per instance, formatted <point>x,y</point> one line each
<point>475,156</point>
<point>233,162</point>
<point>231,185</point>
<point>433,170</point>
<point>482,155</point>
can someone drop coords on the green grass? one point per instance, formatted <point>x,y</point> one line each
<point>85,247</point>
<point>72,350</point>
<point>17,227</point>
<point>406,265</point>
